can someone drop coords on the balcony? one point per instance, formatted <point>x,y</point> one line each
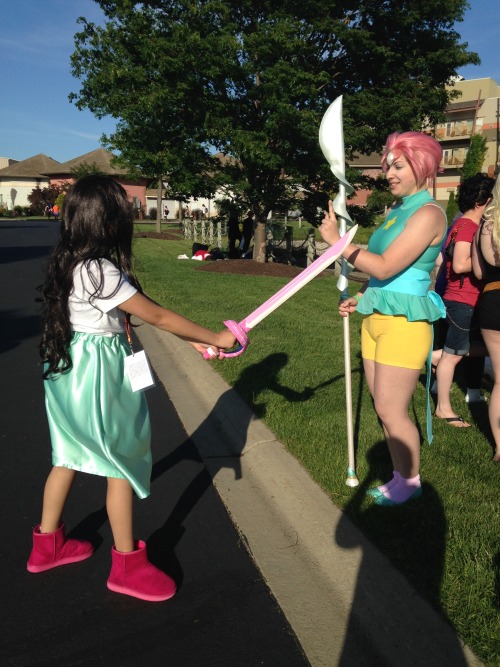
<point>454,159</point>
<point>452,162</point>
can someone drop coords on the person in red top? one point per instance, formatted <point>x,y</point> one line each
<point>462,292</point>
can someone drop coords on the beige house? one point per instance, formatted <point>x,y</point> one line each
<point>102,160</point>
<point>19,179</point>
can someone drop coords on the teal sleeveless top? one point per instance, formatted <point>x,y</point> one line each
<point>407,293</point>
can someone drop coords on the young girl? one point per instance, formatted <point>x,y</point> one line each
<point>97,423</point>
<point>398,308</point>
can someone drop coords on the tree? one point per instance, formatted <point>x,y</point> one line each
<point>86,169</point>
<point>252,79</point>
<point>474,159</point>
<point>473,164</point>
<point>452,209</point>
<point>60,199</point>
<point>39,198</point>
<point>380,197</point>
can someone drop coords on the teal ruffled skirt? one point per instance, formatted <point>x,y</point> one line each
<point>98,425</point>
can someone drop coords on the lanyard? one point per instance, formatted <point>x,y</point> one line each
<point>127,331</point>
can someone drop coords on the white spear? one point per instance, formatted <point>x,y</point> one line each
<point>331,140</point>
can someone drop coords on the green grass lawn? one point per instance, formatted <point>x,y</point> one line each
<point>448,543</point>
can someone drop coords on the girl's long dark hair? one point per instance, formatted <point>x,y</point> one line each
<point>97,224</point>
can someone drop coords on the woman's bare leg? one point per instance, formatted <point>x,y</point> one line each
<point>393,389</point>
<point>444,374</point>
<point>492,340</point>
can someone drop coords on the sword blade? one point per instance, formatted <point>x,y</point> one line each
<point>299,281</point>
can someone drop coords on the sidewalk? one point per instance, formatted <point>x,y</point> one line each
<point>346,604</point>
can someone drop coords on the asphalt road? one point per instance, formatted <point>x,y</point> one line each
<point>223,614</point>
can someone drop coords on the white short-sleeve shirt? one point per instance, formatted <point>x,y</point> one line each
<point>98,314</point>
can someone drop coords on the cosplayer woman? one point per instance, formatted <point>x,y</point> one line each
<point>98,424</point>
<point>486,267</point>
<point>398,309</point>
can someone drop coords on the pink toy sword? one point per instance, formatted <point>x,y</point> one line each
<point>241,329</point>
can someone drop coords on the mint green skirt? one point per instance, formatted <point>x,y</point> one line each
<point>98,425</point>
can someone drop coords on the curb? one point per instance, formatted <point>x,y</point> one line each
<point>346,604</point>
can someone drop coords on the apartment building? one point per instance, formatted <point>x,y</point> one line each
<point>476,111</point>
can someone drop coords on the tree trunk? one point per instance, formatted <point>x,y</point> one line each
<point>158,204</point>
<point>259,242</point>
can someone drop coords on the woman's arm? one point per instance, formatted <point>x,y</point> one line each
<point>477,262</point>
<point>426,227</point>
<point>462,259</point>
<point>162,318</point>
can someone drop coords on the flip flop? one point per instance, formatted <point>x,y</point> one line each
<point>453,420</point>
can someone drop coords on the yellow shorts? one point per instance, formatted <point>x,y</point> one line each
<point>392,340</point>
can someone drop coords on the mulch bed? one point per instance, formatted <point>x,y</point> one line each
<point>246,267</point>
<point>164,236</point>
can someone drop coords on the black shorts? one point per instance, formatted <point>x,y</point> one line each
<point>489,310</point>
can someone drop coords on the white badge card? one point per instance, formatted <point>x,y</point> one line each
<point>138,371</point>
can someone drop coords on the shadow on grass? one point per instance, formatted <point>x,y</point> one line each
<point>413,539</point>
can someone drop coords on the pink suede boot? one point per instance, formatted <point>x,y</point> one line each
<point>53,549</point>
<point>132,574</point>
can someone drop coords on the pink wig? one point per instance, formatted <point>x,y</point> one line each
<point>422,152</point>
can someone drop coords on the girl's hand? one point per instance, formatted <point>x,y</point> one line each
<point>226,339</point>
<point>202,348</point>
<point>348,306</point>
<point>329,228</point>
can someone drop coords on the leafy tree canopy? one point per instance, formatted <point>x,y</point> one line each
<point>39,198</point>
<point>252,79</point>
<point>86,169</point>
<point>474,159</point>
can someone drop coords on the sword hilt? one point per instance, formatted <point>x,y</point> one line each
<point>241,337</point>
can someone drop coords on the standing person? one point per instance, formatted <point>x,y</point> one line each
<point>98,424</point>
<point>460,296</point>
<point>248,229</point>
<point>473,366</point>
<point>233,235</point>
<point>48,211</point>
<point>398,308</point>
<point>486,266</point>
<point>55,212</point>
